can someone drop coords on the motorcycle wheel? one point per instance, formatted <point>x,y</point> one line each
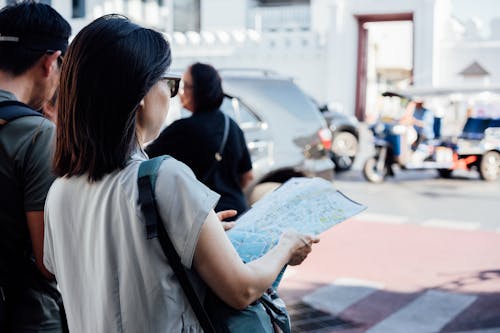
<point>371,173</point>
<point>445,173</point>
<point>489,166</point>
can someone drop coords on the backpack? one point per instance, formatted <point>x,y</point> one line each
<point>10,111</point>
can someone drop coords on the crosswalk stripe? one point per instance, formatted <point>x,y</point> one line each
<point>346,281</point>
<point>486,330</point>
<point>459,225</point>
<point>335,298</point>
<point>428,313</point>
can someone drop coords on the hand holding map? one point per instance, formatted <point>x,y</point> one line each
<point>307,205</point>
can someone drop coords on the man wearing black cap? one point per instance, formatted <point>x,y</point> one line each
<point>33,38</point>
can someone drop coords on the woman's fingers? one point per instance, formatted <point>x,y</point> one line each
<point>304,247</point>
<point>228,225</point>
<point>225,214</point>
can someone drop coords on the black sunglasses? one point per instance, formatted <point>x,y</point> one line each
<point>173,82</point>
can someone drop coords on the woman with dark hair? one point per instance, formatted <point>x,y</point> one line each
<point>114,95</point>
<point>197,140</point>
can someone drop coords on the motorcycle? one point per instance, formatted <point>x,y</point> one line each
<point>393,146</point>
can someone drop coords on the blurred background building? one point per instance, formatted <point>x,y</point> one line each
<point>341,52</point>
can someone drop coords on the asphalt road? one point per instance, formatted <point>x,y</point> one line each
<point>424,257</point>
<point>421,196</point>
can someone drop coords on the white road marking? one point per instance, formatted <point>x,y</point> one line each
<point>335,298</point>
<point>383,218</point>
<point>435,223</point>
<point>428,313</point>
<point>358,282</point>
<point>451,224</point>
<point>486,330</point>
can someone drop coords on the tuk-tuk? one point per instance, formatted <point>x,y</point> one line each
<point>466,134</point>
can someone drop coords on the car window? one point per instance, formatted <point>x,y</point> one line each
<point>246,116</point>
<point>270,94</point>
<point>293,99</point>
<point>227,108</point>
<point>234,108</point>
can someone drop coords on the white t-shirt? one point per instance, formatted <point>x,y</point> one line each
<point>111,277</point>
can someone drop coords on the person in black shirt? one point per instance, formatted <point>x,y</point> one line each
<point>197,139</point>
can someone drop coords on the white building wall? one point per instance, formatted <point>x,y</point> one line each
<point>323,59</point>
<point>146,13</point>
<point>343,43</point>
<point>456,57</point>
<point>299,55</point>
<point>223,14</point>
<point>334,55</point>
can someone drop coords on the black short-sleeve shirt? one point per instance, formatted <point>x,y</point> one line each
<point>195,140</point>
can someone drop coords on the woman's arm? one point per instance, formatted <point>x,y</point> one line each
<point>236,283</point>
<point>246,178</point>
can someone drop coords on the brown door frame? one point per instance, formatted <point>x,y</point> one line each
<point>363,54</point>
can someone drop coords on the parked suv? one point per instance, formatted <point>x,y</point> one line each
<point>285,132</point>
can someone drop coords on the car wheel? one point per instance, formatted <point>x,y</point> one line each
<point>344,149</point>
<point>489,166</point>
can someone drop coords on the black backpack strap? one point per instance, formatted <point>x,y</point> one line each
<point>11,110</point>
<point>148,171</point>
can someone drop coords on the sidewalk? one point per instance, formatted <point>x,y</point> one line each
<point>378,277</point>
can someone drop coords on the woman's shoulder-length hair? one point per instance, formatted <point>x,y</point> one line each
<point>110,66</point>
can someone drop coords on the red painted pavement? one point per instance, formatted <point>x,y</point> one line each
<point>403,257</point>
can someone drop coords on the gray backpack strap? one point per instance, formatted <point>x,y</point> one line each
<point>218,155</point>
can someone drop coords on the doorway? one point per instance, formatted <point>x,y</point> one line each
<point>385,59</point>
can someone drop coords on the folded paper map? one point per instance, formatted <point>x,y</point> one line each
<point>307,205</point>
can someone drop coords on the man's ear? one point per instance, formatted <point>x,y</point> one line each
<point>49,62</point>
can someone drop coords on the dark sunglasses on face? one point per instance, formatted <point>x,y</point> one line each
<point>173,81</point>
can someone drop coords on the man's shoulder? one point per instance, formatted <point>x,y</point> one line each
<point>34,121</point>
<point>30,127</point>
<point>19,135</point>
